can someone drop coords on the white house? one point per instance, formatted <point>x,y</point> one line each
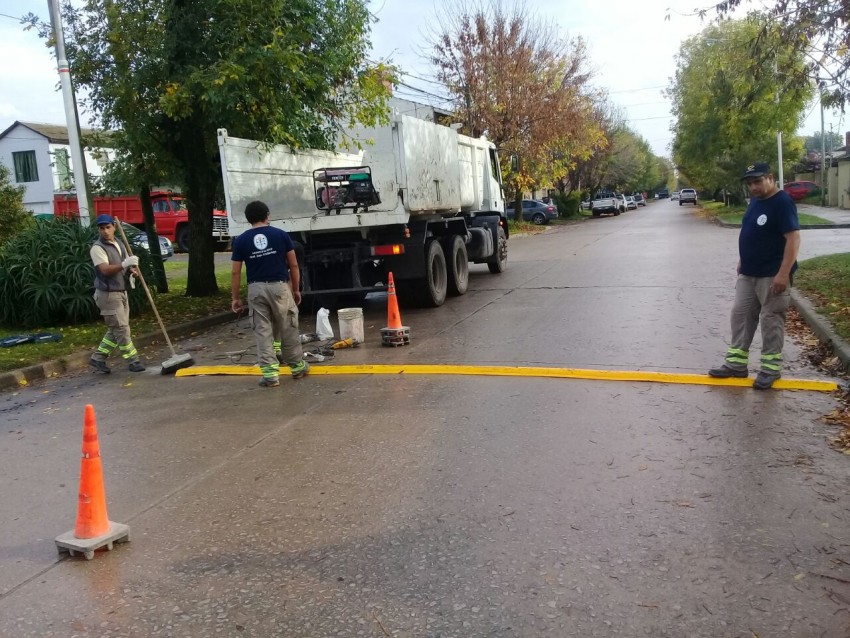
<point>38,157</point>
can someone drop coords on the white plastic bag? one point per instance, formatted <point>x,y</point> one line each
<point>323,325</point>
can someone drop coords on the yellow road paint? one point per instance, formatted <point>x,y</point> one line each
<point>508,371</point>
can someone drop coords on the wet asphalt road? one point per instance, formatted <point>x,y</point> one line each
<point>453,506</point>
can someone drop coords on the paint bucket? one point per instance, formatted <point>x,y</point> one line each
<point>351,323</point>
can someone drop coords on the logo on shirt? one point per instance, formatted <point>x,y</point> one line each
<point>762,220</point>
<point>261,242</point>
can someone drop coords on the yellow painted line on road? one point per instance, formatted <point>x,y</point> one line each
<point>508,371</point>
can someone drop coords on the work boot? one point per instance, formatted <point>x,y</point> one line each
<point>137,366</point>
<point>99,366</point>
<point>299,369</point>
<point>269,383</point>
<point>724,372</point>
<point>764,381</point>
<point>279,356</point>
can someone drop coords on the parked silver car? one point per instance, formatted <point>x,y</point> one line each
<point>533,211</point>
<point>166,248</point>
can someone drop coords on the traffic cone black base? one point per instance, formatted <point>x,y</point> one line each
<point>395,337</point>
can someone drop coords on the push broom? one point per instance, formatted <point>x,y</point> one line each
<point>176,361</point>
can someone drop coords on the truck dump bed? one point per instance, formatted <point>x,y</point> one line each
<point>418,169</point>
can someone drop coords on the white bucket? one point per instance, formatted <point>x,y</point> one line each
<point>351,323</point>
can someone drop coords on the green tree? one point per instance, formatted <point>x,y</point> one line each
<point>812,143</point>
<point>630,163</point>
<point>169,73</point>
<point>665,174</point>
<point>13,216</point>
<point>817,32</point>
<point>726,117</point>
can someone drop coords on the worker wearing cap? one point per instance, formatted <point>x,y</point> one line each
<point>273,293</point>
<point>768,246</point>
<point>111,264</point>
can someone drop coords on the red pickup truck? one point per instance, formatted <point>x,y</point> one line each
<point>169,211</point>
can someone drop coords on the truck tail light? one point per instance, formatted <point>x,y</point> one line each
<point>387,250</point>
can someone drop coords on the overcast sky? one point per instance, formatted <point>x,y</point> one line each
<point>631,45</point>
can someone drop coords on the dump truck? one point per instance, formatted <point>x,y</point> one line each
<point>419,200</point>
<point>169,212</point>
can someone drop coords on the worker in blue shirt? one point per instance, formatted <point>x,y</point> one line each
<point>273,293</point>
<point>768,246</point>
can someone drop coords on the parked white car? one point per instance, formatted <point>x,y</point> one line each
<point>674,195</point>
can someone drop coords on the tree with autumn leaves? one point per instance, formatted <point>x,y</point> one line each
<point>515,80</point>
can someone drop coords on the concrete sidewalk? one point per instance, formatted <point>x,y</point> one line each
<point>838,216</point>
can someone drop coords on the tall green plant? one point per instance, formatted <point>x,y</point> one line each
<point>13,216</point>
<point>567,205</point>
<point>46,276</point>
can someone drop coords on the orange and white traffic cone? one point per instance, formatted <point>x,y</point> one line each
<point>394,334</point>
<point>93,529</point>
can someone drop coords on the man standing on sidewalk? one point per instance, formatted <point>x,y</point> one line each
<point>111,262</point>
<point>273,293</point>
<point>768,246</point>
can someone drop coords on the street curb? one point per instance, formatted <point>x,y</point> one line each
<point>822,328</point>
<point>14,379</point>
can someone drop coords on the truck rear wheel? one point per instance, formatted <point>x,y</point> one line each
<point>435,283</point>
<point>499,261</point>
<point>183,238</point>
<point>457,265</point>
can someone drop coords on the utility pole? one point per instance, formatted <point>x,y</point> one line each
<point>70,113</point>
<point>781,183</point>
<point>822,150</point>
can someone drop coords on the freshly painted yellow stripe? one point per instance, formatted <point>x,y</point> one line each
<point>507,371</point>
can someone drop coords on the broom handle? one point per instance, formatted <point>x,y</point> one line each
<point>147,290</point>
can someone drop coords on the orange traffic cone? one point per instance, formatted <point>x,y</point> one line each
<point>91,509</point>
<point>93,529</point>
<point>393,315</point>
<point>394,334</point>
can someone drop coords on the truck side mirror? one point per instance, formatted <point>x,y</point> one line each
<point>514,163</point>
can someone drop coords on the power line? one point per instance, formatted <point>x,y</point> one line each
<point>647,103</point>
<point>416,77</point>
<point>646,88</point>
<point>661,117</point>
<point>424,92</point>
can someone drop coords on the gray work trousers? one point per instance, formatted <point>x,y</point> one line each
<point>755,304</point>
<point>275,316</point>
<point>115,309</point>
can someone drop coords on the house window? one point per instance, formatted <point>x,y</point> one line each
<point>63,168</point>
<point>26,170</point>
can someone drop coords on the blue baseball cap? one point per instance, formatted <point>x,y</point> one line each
<point>759,169</point>
<point>104,219</point>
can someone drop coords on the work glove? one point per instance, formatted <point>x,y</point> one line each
<point>130,261</point>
